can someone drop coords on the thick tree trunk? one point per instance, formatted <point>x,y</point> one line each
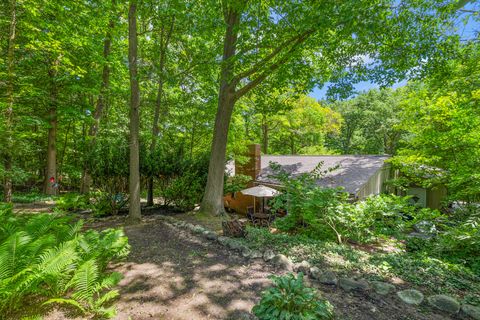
<point>51,172</point>
<point>8,185</point>
<point>213,198</point>
<point>51,183</point>
<point>164,40</point>
<point>134,179</point>
<point>102,97</point>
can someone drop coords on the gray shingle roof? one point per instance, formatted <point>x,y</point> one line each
<point>352,173</point>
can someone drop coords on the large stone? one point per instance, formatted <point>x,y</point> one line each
<point>223,240</point>
<point>472,311</point>
<point>246,252</point>
<point>426,227</point>
<point>256,254</point>
<point>282,262</point>
<point>268,255</point>
<point>198,229</point>
<point>235,245</point>
<point>382,288</point>
<point>328,277</point>
<point>303,267</point>
<point>411,296</point>
<point>315,273</point>
<point>351,284</point>
<point>211,236</point>
<point>444,303</point>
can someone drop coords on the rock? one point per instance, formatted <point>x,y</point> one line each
<point>198,229</point>
<point>189,226</point>
<point>281,261</point>
<point>246,252</point>
<point>472,311</point>
<point>426,227</point>
<point>382,288</point>
<point>211,236</point>
<point>303,267</point>
<point>411,296</point>
<point>223,240</point>
<point>328,277</point>
<point>256,254</point>
<point>234,245</point>
<point>315,273</point>
<point>444,303</point>
<point>268,255</point>
<point>351,284</point>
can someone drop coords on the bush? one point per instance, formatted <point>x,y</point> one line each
<point>73,202</point>
<point>46,259</point>
<point>180,178</point>
<point>290,299</point>
<point>461,242</point>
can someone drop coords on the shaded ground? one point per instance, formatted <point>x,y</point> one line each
<point>172,274</point>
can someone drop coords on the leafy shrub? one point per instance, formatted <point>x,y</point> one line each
<point>109,171</point>
<point>180,178</point>
<point>45,259</point>
<point>462,242</point>
<point>290,299</point>
<point>73,202</point>
<point>236,183</point>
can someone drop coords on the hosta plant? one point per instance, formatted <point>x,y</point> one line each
<point>290,299</point>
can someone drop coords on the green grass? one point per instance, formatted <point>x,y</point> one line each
<point>31,197</point>
<point>432,275</point>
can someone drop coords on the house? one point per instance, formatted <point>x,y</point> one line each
<point>359,175</point>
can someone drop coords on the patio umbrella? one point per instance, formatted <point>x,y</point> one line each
<point>260,191</point>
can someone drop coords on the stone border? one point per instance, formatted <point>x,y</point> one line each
<point>413,297</point>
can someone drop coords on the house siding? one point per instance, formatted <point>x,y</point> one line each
<point>376,183</point>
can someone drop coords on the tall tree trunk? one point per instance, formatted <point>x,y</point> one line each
<point>51,183</point>
<point>51,172</point>
<point>8,185</point>
<point>213,198</point>
<point>264,135</point>
<point>134,179</point>
<point>102,96</point>
<point>164,40</point>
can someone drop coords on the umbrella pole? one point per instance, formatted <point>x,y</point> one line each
<point>254,200</point>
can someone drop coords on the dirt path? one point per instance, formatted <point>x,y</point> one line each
<point>172,274</point>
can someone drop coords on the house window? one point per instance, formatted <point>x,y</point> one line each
<point>419,196</point>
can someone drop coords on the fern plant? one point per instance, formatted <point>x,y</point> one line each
<point>47,259</point>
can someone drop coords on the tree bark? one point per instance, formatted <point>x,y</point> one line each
<point>134,179</point>
<point>51,172</point>
<point>159,100</point>
<point>213,198</point>
<point>8,185</point>
<point>102,97</point>
<point>228,94</point>
<point>51,183</point>
<point>264,135</point>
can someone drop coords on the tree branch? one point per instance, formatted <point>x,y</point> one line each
<point>268,58</point>
<point>255,82</point>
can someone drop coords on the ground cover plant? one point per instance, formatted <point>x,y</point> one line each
<point>434,274</point>
<point>375,237</point>
<point>46,259</point>
<point>290,299</point>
